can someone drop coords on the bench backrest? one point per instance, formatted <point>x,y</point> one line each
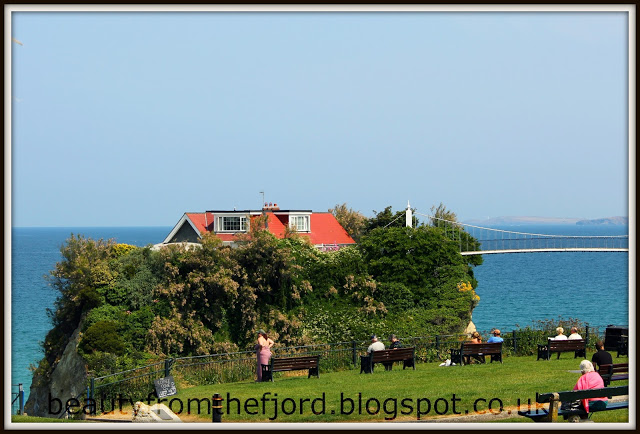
<point>294,363</point>
<point>393,355</point>
<point>616,368</point>
<point>573,395</point>
<point>483,348</point>
<point>567,345</point>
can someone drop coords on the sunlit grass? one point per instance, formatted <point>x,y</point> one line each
<point>494,391</point>
<point>431,390</point>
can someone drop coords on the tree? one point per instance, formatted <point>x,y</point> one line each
<point>352,221</point>
<point>196,288</point>
<point>440,213</point>
<point>389,219</point>
<point>424,264</point>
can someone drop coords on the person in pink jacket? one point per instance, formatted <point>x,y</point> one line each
<point>590,380</point>
<point>263,351</point>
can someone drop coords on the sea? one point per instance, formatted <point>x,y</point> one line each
<point>516,290</point>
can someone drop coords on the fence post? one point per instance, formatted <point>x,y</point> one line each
<point>586,336</point>
<point>167,367</point>
<point>438,343</point>
<point>21,398</point>
<point>93,388</point>
<point>515,343</point>
<point>354,351</point>
<point>216,408</point>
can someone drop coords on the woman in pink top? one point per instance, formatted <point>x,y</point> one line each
<point>263,351</point>
<point>590,380</point>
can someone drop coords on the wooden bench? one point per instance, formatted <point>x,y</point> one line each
<point>477,351</point>
<point>555,399</point>
<point>615,372</point>
<point>281,364</point>
<point>405,355</point>
<point>577,346</point>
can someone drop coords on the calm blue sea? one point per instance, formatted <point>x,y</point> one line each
<point>515,289</point>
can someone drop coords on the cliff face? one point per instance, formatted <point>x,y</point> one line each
<point>68,380</point>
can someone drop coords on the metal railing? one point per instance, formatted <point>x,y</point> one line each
<point>17,399</point>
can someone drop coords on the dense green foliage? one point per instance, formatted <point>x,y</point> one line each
<point>135,304</point>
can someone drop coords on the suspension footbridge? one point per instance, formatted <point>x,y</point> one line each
<point>478,240</point>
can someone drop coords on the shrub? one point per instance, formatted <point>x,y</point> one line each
<point>103,336</point>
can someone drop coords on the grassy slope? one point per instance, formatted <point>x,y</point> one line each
<point>515,381</point>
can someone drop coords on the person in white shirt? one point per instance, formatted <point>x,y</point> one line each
<point>561,336</point>
<point>574,333</point>
<point>376,345</point>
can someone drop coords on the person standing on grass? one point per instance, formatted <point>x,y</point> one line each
<point>601,357</point>
<point>590,380</point>
<point>263,351</point>
<point>495,338</point>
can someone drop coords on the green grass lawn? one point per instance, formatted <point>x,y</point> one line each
<point>402,395</point>
<point>27,419</point>
<point>408,395</point>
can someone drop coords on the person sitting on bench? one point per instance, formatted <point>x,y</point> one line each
<point>560,336</point>
<point>601,357</point>
<point>376,345</point>
<point>395,343</point>
<point>574,333</point>
<point>476,338</point>
<point>495,338</point>
<point>590,380</point>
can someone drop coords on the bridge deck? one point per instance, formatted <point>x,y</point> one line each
<point>578,249</point>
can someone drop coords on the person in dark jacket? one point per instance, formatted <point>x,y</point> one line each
<point>601,357</point>
<point>395,343</point>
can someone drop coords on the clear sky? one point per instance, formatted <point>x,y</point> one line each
<point>132,119</point>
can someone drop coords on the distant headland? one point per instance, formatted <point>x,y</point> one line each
<point>611,221</point>
<point>524,220</point>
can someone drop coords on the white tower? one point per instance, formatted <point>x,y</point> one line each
<point>409,216</point>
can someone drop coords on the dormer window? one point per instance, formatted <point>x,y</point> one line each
<point>299,222</point>
<point>232,223</point>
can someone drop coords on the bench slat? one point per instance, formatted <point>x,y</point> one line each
<point>578,346</point>
<point>467,349</point>
<point>614,372</point>
<point>574,395</point>
<point>406,355</point>
<point>291,364</point>
<point>551,414</point>
<point>542,412</point>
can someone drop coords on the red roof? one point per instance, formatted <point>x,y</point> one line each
<point>325,229</point>
<point>203,221</point>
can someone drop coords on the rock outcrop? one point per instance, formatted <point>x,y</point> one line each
<point>471,327</point>
<point>154,413</point>
<point>68,380</point>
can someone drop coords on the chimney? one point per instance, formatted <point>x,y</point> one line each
<point>270,207</point>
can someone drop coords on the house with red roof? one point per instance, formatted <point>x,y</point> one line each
<point>321,228</point>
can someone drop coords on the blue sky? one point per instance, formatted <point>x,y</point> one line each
<point>131,119</point>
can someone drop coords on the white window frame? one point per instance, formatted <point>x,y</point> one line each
<point>294,222</point>
<point>220,220</point>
